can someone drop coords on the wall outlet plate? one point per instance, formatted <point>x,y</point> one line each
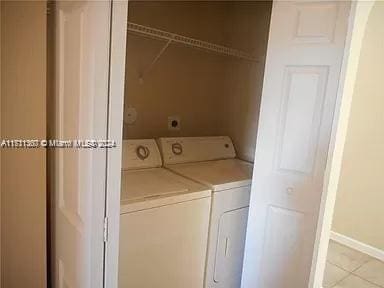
<point>174,123</point>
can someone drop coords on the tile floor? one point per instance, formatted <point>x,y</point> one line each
<point>348,268</point>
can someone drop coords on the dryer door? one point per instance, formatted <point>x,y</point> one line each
<point>230,248</point>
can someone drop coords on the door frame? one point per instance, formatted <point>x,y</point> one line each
<point>358,18</point>
<point>119,16</point>
<point>118,36</point>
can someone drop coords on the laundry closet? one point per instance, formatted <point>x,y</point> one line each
<point>225,116</point>
<point>193,84</point>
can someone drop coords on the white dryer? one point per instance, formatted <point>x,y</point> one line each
<point>212,161</point>
<point>163,223</point>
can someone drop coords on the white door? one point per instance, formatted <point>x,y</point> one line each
<point>305,53</point>
<point>81,102</point>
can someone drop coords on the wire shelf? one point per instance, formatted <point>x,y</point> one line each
<point>160,34</point>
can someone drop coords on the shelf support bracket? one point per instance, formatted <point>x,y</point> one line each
<point>154,61</point>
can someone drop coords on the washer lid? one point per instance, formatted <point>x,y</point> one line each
<point>218,174</point>
<point>150,185</point>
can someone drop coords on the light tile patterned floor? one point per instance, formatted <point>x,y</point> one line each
<point>348,268</point>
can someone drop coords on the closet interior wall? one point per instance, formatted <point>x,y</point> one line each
<point>212,94</point>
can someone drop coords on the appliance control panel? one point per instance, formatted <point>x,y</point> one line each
<point>177,150</point>
<point>140,153</point>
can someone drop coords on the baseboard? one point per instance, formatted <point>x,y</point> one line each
<point>357,245</point>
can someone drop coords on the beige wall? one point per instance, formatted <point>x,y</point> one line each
<point>359,206</point>
<point>213,94</point>
<point>23,61</point>
<point>248,27</point>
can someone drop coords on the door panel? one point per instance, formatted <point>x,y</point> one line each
<point>304,89</point>
<point>305,53</point>
<point>316,22</point>
<point>81,98</point>
<point>282,252</point>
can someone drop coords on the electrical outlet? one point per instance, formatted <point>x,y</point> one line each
<point>130,115</point>
<point>174,123</point>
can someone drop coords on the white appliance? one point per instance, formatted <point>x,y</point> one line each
<point>163,223</point>
<point>212,161</point>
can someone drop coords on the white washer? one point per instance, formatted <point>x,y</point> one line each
<point>163,223</point>
<point>212,161</point>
